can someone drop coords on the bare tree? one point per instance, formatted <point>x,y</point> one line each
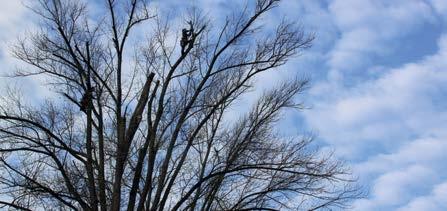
<point>146,127</point>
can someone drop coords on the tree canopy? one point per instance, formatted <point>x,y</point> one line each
<point>144,125</point>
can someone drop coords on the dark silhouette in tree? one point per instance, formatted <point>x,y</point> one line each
<point>85,102</point>
<point>186,34</point>
<point>156,135</point>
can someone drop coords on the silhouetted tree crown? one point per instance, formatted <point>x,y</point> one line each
<point>142,120</point>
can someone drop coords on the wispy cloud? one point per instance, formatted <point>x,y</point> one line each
<point>387,120</point>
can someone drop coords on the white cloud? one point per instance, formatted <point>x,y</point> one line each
<point>440,6</point>
<point>426,151</point>
<point>396,187</point>
<point>11,14</point>
<point>395,107</point>
<point>392,124</point>
<point>368,28</point>
<point>400,177</point>
<point>16,20</point>
<point>433,202</point>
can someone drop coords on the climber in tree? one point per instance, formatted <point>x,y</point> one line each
<point>186,37</point>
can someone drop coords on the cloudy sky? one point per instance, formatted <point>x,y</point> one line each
<point>378,96</point>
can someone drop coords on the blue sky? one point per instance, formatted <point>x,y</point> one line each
<point>378,95</point>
